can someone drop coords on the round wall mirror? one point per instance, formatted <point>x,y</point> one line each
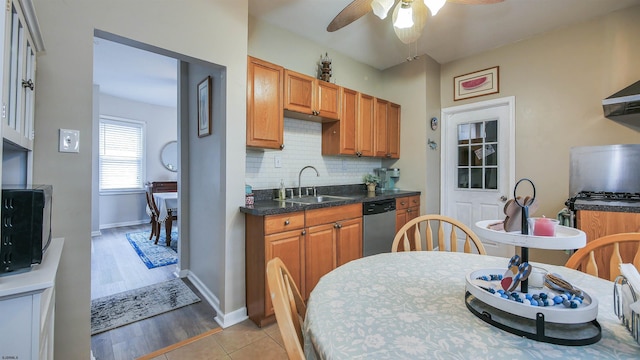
<point>169,156</point>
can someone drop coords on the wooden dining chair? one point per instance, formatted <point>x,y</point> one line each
<point>602,257</point>
<point>153,214</point>
<point>288,306</point>
<point>408,238</point>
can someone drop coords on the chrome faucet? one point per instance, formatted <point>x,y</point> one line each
<point>300,174</point>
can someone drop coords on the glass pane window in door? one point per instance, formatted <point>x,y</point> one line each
<point>477,155</point>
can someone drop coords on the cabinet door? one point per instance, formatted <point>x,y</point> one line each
<point>265,118</point>
<point>393,129</point>
<point>349,241</point>
<point>339,137</point>
<point>288,246</point>
<point>319,254</point>
<point>380,128</point>
<point>365,125</point>
<point>18,97</point>
<point>328,100</point>
<point>299,92</point>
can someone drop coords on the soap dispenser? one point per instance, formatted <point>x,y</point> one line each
<point>282,194</point>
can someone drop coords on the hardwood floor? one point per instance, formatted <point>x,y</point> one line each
<point>115,267</point>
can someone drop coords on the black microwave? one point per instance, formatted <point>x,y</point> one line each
<point>25,231</point>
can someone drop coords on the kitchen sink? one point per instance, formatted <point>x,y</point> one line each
<point>320,199</point>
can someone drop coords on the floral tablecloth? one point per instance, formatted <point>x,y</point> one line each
<point>411,306</point>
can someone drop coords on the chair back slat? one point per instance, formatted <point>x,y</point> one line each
<point>288,306</point>
<point>604,255</point>
<point>429,236</point>
<point>402,239</point>
<point>453,239</point>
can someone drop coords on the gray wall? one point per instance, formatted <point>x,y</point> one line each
<point>64,100</point>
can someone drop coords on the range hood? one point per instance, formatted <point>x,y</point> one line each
<point>624,106</point>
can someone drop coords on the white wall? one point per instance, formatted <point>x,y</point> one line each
<point>303,141</point>
<point>161,126</point>
<point>64,100</point>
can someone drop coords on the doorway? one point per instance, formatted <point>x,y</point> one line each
<point>131,86</point>
<point>478,163</point>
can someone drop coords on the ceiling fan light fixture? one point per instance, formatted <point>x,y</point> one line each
<point>412,33</point>
<point>381,7</point>
<point>434,5</point>
<point>404,18</point>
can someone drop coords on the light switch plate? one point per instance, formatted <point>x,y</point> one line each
<point>69,141</point>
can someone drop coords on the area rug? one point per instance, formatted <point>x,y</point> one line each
<point>120,309</point>
<point>175,348</point>
<point>154,255</point>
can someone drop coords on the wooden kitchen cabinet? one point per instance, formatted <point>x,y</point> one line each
<point>387,129</point>
<point>407,209</point>
<point>265,114</point>
<point>353,134</point>
<point>307,96</point>
<point>268,237</point>
<point>596,224</point>
<point>334,237</point>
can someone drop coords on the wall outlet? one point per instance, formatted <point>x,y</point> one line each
<point>277,161</point>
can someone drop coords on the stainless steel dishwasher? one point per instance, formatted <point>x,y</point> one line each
<point>379,218</point>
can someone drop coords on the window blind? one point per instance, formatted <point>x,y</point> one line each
<point>121,155</point>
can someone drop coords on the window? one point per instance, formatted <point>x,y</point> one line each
<point>121,154</point>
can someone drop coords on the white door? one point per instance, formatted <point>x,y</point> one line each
<point>478,158</point>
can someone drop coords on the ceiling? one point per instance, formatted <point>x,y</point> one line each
<point>456,32</point>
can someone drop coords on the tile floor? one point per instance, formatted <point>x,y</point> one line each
<point>241,341</point>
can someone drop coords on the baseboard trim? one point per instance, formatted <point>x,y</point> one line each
<point>224,320</point>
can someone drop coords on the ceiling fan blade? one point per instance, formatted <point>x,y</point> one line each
<point>351,13</point>
<point>475,2</point>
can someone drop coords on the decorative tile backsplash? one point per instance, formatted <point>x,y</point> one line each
<point>303,146</point>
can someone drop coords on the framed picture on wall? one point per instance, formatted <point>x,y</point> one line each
<point>204,107</point>
<point>479,83</point>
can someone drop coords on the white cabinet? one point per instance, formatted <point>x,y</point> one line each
<point>27,309</point>
<point>22,40</point>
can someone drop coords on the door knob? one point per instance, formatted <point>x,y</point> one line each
<point>503,198</point>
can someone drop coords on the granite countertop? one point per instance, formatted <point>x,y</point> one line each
<point>612,206</point>
<point>265,204</point>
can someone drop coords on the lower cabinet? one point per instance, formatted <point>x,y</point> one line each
<point>267,237</point>
<point>407,209</point>
<point>310,243</point>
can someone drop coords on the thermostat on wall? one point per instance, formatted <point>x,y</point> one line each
<point>69,141</point>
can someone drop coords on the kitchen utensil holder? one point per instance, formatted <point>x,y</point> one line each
<point>620,284</point>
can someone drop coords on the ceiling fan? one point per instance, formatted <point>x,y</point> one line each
<point>358,8</point>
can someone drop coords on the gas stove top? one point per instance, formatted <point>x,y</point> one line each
<point>605,199</point>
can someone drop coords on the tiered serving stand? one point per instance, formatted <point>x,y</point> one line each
<point>553,324</point>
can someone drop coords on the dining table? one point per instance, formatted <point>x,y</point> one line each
<point>411,305</point>
<point>167,203</point>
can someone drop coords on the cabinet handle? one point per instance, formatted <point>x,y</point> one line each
<point>402,203</point>
<point>281,146</point>
<point>408,210</point>
<point>358,154</point>
<point>304,232</point>
<point>286,222</point>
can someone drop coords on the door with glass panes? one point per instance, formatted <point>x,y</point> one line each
<point>478,164</point>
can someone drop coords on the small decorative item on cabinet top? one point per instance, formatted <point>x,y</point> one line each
<point>325,68</point>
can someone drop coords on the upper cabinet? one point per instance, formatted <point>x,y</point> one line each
<point>387,129</point>
<point>353,123</point>
<point>353,134</point>
<point>306,97</point>
<point>22,40</point>
<point>265,122</point>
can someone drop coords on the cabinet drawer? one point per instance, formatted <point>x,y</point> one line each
<point>407,201</point>
<point>283,222</point>
<point>333,214</point>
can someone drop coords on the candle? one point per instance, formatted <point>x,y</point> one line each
<point>544,227</point>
